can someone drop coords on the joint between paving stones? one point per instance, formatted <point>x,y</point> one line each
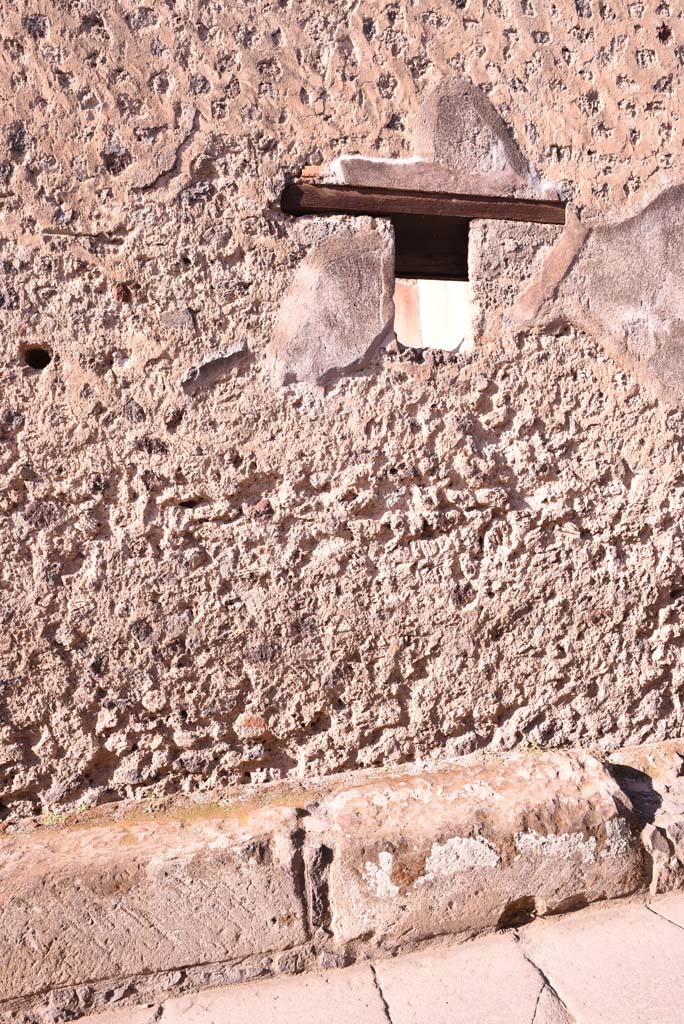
<point>381,994</point>
<point>546,983</point>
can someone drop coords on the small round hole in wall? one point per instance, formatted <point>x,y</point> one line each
<point>36,357</point>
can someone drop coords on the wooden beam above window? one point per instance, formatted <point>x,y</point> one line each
<point>303,197</point>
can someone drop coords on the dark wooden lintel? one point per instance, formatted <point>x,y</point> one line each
<point>308,197</point>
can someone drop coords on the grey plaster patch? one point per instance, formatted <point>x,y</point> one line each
<point>460,853</point>
<point>379,876</point>
<point>565,846</point>
<point>460,144</point>
<point>621,283</point>
<point>338,310</point>
<point>458,127</point>
<point>420,175</point>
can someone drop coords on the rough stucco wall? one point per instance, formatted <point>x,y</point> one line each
<point>233,579</point>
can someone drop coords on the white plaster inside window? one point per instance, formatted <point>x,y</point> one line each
<point>433,314</point>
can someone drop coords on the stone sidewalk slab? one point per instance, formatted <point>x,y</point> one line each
<point>335,997</point>
<point>488,981</point>
<point>619,964</point>
<point>613,965</point>
<point>483,982</point>
<point>670,907</point>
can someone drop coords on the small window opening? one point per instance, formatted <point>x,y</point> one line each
<point>432,297</point>
<point>432,294</point>
<point>433,314</point>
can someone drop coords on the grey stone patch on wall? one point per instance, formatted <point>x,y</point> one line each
<point>458,126</point>
<point>622,284</point>
<point>459,143</point>
<point>337,312</point>
<point>541,285</point>
<point>503,259</point>
<point>180,320</point>
<point>416,174</point>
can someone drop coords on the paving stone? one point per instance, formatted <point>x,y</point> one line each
<point>337,997</point>
<point>670,907</point>
<point>484,982</point>
<point>126,1015</point>
<point>612,965</point>
<point>618,964</point>
<point>550,1010</point>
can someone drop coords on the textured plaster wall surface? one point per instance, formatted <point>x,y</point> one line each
<point>209,575</point>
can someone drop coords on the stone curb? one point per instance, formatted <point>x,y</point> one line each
<point>374,862</point>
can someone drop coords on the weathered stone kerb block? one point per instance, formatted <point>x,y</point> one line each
<point>489,843</point>
<point>114,900</point>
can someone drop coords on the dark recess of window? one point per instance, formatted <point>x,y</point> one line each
<point>433,248</point>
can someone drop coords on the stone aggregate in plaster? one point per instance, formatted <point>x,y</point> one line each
<point>430,556</point>
<point>492,564</point>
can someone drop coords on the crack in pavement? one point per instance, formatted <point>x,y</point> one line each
<point>662,917</point>
<point>385,1004</point>
<point>546,983</point>
<point>536,1005</point>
